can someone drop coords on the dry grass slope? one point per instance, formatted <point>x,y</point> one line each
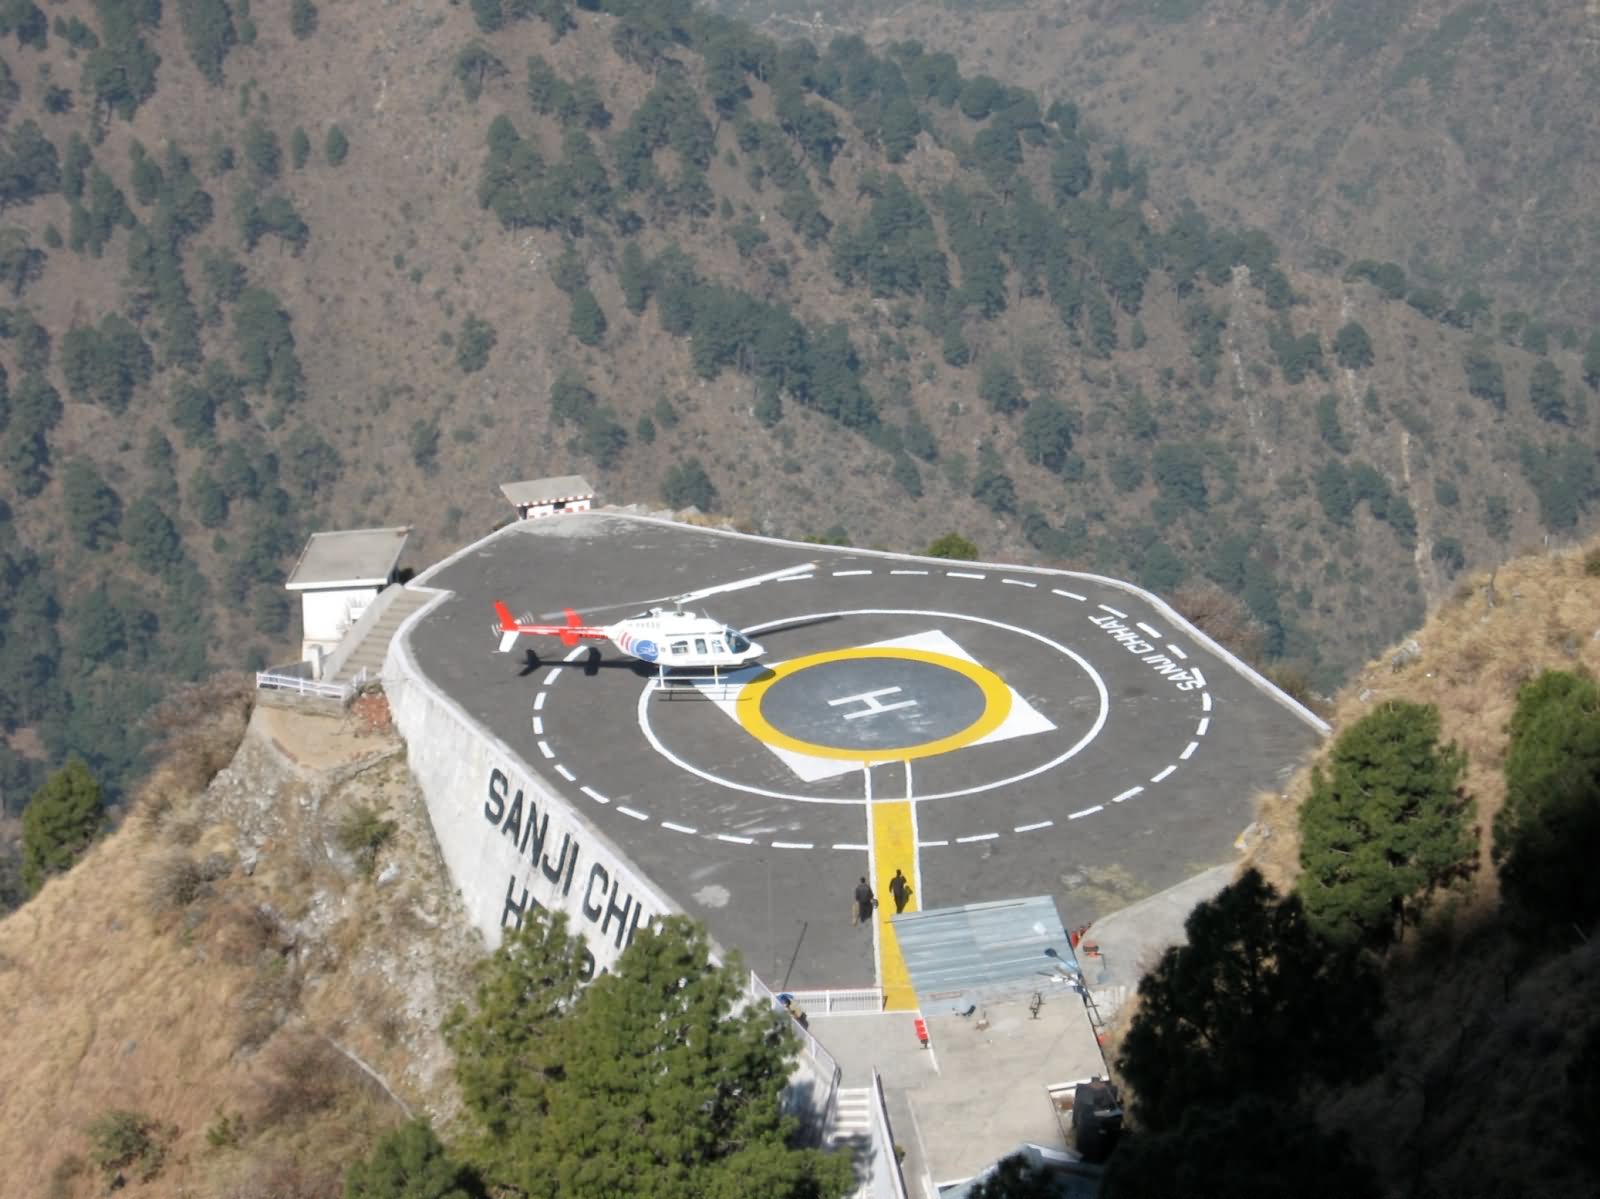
<point>218,965</point>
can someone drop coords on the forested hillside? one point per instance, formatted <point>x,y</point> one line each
<point>1451,136</point>
<point>298,268</point>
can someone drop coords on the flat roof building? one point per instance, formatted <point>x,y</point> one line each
<point>533,498</point>
<point>338,576</point>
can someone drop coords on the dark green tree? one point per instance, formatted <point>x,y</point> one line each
<point>151,536</point>
<point>474,344</point>
<point>299,147</point>
<point>262,151</point>
<point>654,1081</point>
<point>59,823</point>
<point>1329,425</point>
<point>207,499</point>
<point>302,19</point>
<point>999,386</point>
<point>634,277</point>
<point>209,34</point>
<point>93,510</point>
<point>335,146</point>
<point>952,545</point>
<point>1486,379</point>
<point>1353,346</point>
<point>1591,361</point>
<point>1047,432</point>
<point>1547,392</point>
<point>1275,1149</point>
<point>424,441</point>
<point>1254,1001</point>
<point>409,1162</point>
<point>1544,836</point>
<point>1386,825</point>
<point>686,485</point>
<point>586,320</point>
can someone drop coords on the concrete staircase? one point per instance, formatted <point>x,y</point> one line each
<point>850,1131</point>
<point>373,647</point>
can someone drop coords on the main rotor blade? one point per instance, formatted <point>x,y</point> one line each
<point>691,596</point>
<point>741,584</point>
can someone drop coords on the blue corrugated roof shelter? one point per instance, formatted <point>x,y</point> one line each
<point>982,952</point>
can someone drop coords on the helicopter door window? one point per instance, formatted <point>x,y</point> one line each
<point>679,647</point>
<point>699,645</point>
<point>716,648</point>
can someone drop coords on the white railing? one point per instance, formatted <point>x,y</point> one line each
<point>839,1000</point>
<point>269,680</point>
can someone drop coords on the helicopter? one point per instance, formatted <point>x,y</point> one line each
<point>669,638</point>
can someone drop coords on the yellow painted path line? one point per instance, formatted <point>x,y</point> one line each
<point>894,847</point>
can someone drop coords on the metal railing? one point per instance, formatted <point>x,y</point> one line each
<point>838,1000</point>
<point>809,1043</point>
<point>271,680</point>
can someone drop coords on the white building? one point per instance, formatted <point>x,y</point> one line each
<point>338,576</point>
<point>546,497</point>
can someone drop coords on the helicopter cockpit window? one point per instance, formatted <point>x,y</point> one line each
<point>737,641</point>
<point>699,645</point>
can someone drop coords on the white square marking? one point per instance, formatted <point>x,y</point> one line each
<point>1023,720</point>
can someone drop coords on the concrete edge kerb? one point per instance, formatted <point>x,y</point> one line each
<point>1254,677</point>
<point>401,666</point>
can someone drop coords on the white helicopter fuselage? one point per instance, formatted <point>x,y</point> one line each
<point>678,640</point>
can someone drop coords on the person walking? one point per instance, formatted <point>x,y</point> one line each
<point>900,888</point>
<point>865,902</point>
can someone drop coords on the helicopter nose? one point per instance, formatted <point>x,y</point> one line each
<point>755,651</point>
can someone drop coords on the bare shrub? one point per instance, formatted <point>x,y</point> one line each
<point>243,933</point>
<point>362,833</point>
<point>302,1075</point>
<point>269,1001</point>
<point>198,728</point>
<point>173,881</point>
<point>1591,563</point>
<point>1294,680</point>
<point>125,1142</point>
<point>63,1175</point>
<point>1222,617</point>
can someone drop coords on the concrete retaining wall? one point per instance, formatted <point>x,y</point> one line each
<point>511,844</point>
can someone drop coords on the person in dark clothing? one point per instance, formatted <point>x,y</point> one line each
<point>900,888</point>
<point>865,902</point>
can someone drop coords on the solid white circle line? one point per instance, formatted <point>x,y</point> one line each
<point>930,844</point>
<point>1071,595</point>
<point>731,839</point>
<point>631,812</point>
<point>679,828</point>
<point>976,837</point>
<point>795,578</point>
<point>565,773</point>
<point>594,795</point>
<point>845,574</point>
<point>538,726</point>
<point>555,674</point>
<point>538,700</point>
<point>1199,678</point>
<point>1148,631</point>
<point>1080,814</point>
<point>1028,828</point>
<point>963,574</point>
<point>908,572</point>
<point>1113,611</point>
<point>1200,729</point>
<point>1128,794</point>
<point>1205,701</point>
<point>1188,751</point>
<point>1018,583</point>
<point>1176,652</point>
<point>840,845</point>
<point>544,748</point>
<point>793,845</point>
<point>1156,778</point>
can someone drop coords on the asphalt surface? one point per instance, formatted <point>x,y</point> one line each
<point>1126,761</point>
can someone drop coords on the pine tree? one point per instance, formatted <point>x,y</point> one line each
<point>410,1163</point>
<point>1544,836</point>
<point>651,1081</point>
<point>1384,826</point>
<point>1254,1001</point>
<point>59,822</point>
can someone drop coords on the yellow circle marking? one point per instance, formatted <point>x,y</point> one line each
<point>996,706</point>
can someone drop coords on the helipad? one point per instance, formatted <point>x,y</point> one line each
<point>991,731</point>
